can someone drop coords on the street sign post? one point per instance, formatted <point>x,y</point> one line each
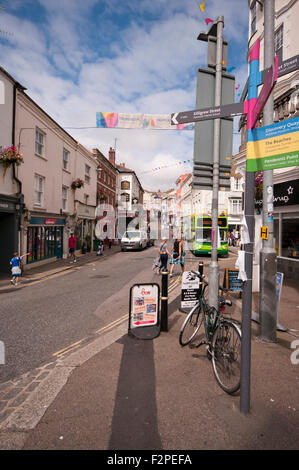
<point>205,114</point>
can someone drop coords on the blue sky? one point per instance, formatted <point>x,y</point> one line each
<point>78,57</point>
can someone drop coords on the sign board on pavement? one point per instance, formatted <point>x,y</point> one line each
<point>144,308</point>
<point>190,290</point>
<point>231,282</point>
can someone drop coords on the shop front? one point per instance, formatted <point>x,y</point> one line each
<point>44,238</point>
<point>286,227</point>
<point>84,228</point>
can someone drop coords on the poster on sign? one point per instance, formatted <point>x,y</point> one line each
<point>144,305</point>
<point>190,290</point>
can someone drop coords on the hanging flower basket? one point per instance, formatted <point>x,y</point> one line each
<point>8,156</point>
<point>78,183</point>
<point>102,197</point>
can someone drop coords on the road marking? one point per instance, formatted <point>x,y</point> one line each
<point>67,349</point>
<point>114,323</point>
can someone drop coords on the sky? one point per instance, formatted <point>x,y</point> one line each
<point>77,58</point>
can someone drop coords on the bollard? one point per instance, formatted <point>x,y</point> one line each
<point>164,301</point>
<point>200,270</point>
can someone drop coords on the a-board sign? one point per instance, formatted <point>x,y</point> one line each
<point>190,290</point>
<point>144,308</point>
<point>231,281</point>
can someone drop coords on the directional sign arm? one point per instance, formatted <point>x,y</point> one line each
<point>204,114</point>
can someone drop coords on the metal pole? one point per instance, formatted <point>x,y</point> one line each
<point>248,247</point>
<point>268,262</point>
<point>164,301</point>
<point>214,268</point>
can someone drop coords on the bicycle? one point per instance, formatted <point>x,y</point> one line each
<point>222,336</point>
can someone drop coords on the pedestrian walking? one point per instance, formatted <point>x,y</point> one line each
<point>100,248</point>
<point>72,247</point>
<point>178,255</point>
<point>16,271</point>
<point>164,253</point>
<point>232,239</point>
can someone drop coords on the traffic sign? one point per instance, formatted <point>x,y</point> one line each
<point>264,233</point>
<point>285,67</point>
<point>204,114</point>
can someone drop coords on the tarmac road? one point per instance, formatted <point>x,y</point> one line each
<point>49,318</point>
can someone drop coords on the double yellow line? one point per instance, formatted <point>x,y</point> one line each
<point>71,347</point>
<point>104,329</point>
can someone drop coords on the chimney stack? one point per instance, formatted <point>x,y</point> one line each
<point>112,156</point>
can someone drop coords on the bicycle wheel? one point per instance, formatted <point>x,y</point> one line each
<point>226,356</point>
<point>190,326</point>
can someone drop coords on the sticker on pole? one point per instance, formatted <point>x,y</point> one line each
<point>144,318</point>
<point>190,290</point>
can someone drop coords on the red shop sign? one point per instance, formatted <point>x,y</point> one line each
<point>50,221</point>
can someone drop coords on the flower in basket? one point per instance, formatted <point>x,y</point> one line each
<point>78,183</point>
<point>10,155</point>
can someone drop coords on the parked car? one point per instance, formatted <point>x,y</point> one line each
<point>133,240</point>
<point>150,241</point>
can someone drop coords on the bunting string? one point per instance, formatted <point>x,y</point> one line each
<point>161,167</point>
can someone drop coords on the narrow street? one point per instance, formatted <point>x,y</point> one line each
<point>43,319</point>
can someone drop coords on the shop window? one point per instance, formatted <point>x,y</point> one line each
<point>39,184</point>
<point>44,242</point>
<point>290,238</point>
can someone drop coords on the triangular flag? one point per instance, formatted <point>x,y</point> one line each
<point>202,6</point>
<point>208,20</point>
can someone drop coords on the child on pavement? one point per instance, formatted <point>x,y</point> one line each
<point>16,271</point>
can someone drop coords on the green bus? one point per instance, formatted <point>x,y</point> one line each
<point>201,229</point>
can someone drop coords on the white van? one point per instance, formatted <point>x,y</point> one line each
<point>133,240</point>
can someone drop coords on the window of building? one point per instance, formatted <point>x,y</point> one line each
<point>87,174</point>
<point>64,198</point>
<point>39,184</point>
<point>39,142</point>
<point>236,206</point>
<point>86,197</point>
<point>125,185</point>
<point>65,159</point>
<point>125,197</point>
<point>278,42</point>
<point>237,186</point>
<point>253,18</point>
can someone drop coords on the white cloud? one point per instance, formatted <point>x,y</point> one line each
<point>152,69</point>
